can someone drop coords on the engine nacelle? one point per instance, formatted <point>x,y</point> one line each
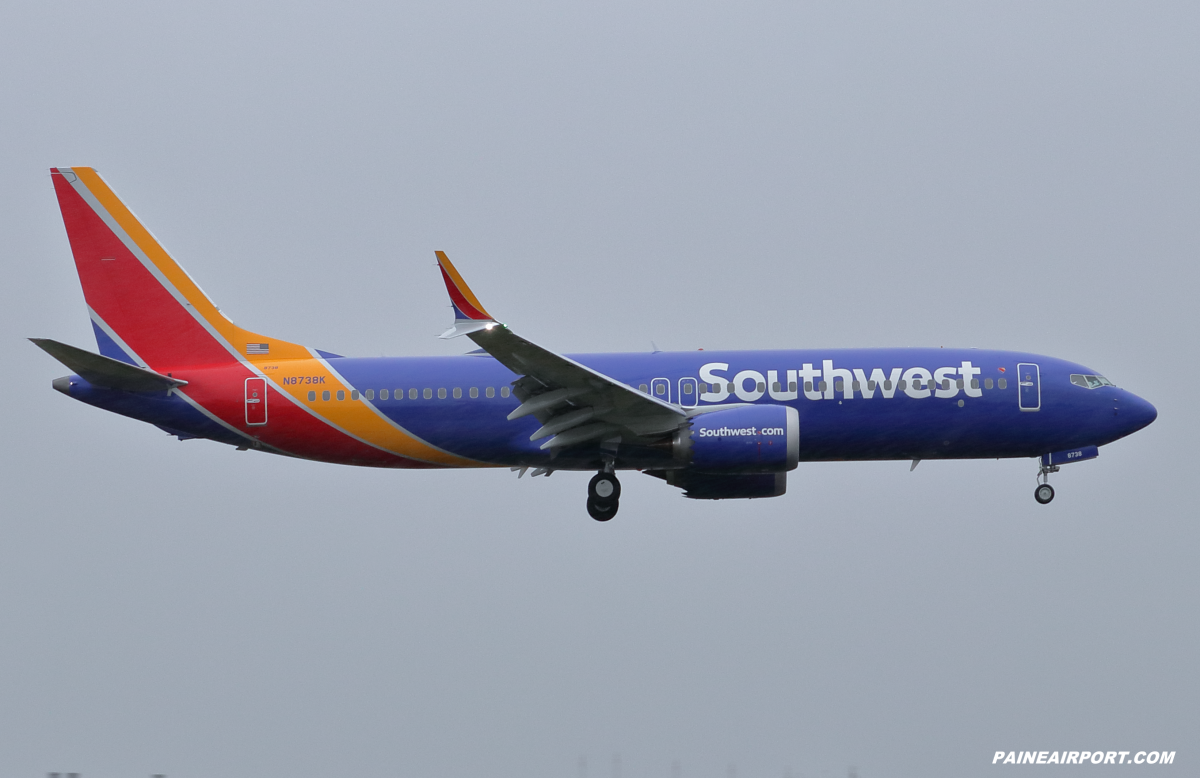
<point>744,486</point>
<point>745,439</point>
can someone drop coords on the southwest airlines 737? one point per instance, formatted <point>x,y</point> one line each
<point>717,425</point>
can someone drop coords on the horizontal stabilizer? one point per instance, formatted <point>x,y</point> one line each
<point>105,371</point>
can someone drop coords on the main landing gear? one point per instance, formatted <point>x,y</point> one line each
<point>1044,492</point>
<point>604,493</point>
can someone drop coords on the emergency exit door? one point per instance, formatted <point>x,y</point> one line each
<point>256,401</point>
<point>1029,386</point>
<point>689,392</point>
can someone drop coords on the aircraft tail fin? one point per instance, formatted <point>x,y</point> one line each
<point>145,308</point>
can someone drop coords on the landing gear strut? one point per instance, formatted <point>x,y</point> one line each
<point>604,493</point>
<point>1044,492</point>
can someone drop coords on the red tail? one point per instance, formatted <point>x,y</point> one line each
<point>145,308</point>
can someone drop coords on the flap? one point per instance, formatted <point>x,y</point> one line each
<point>575,403</point>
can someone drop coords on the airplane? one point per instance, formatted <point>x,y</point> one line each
<point>718,425</point>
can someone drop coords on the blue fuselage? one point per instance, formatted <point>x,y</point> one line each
<point>853,404</point>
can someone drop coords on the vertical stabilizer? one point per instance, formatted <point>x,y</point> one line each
<point>145,308</point>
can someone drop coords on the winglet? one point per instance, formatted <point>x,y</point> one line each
<point>469,313</point>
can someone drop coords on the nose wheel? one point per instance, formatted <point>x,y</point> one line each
<point>604,493</point>
<point>1044,492</point>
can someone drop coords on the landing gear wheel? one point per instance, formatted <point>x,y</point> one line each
<point>602,510</point>
<point>1044,493</point>
<point>604,487</point>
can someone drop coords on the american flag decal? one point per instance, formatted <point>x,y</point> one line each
<point>257,348</point>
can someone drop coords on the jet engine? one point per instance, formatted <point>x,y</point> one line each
<point>742,452</point>
<point>745,439</point>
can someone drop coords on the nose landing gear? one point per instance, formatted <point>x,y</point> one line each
<point>1044,492</point>
<point>604,493</point>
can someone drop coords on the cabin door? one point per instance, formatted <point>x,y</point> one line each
<point>1029,386</point>
<point>256,402</point>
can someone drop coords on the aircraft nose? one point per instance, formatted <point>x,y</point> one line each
<point>1137,412</point>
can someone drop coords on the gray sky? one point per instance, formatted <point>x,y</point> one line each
<point>1017,175</point>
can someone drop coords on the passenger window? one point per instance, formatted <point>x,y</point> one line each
<point>730,388</point>
<point>353,394</point>
<point>341,394</point>
<point>902,385</point>
<point>959,384</point>
<point>370,394</point>
<point>837,385</point>
<point>504,391</point>
<point>441,393</point>
<point>1002,383</point>
<point>775,387</point>
<point>760,386</point>
<point>687,388</point>
<point>325,395</point>
<point>428,393</point>
<point>474,392</point>
<point>870,386</point>
<point>821,387</point>
<point>643,388</point>
<point>974,383</point>
<point>792,386</point>
<point>457,393</point>
<point>855,386</point>
<point>987,384</point>
<point>946,384</point>
<point>887,385</point>
<point>312,397</point>
<point>490,391</point>
<point>412,394</point>
<point>659,389</point>
<point>383,394</point>
<point>808,386</point>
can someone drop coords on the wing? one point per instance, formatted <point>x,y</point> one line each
<point>576,404</point>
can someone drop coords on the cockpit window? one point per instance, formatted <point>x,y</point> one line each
<point>1090,381</point>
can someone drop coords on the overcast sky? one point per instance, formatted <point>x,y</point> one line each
<point>718,175</point>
